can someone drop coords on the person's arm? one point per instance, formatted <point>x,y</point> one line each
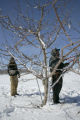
<point>8,69</point>
<point>66,64</point>
<point>50,62</point>
<point>62,65</point>
<point>18,73</point>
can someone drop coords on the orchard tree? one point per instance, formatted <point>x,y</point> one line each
<point>32,34</point>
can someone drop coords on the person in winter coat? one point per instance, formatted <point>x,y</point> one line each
<point>52,63</point>
<point>14,74</point>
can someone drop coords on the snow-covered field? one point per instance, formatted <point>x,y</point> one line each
<point>25,106</point>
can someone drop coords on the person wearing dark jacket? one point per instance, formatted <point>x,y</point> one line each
<point>14,74</point>
<point>52,63</point>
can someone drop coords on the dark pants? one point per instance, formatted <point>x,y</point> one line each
<point>57,88</point>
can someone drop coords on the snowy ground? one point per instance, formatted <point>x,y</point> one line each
<point>24,107</point>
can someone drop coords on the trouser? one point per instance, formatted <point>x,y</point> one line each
<point>56,89</point>
<point>14,85</point>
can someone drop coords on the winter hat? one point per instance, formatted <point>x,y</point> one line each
<point>54,51</point>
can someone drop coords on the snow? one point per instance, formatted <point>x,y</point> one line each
<point>42,42</point>
<point>26,105</point>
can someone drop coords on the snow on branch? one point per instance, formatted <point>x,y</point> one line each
<point>41,41</point>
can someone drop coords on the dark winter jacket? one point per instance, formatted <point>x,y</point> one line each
<point>52,63</point>
<point>12,68</point>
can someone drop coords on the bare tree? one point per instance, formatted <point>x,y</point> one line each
<point>33,35</point>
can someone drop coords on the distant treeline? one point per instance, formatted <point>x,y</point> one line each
<point>6,72</point>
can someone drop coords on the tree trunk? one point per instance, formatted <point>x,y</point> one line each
<point>46,80</point>
<point>45,91</point>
